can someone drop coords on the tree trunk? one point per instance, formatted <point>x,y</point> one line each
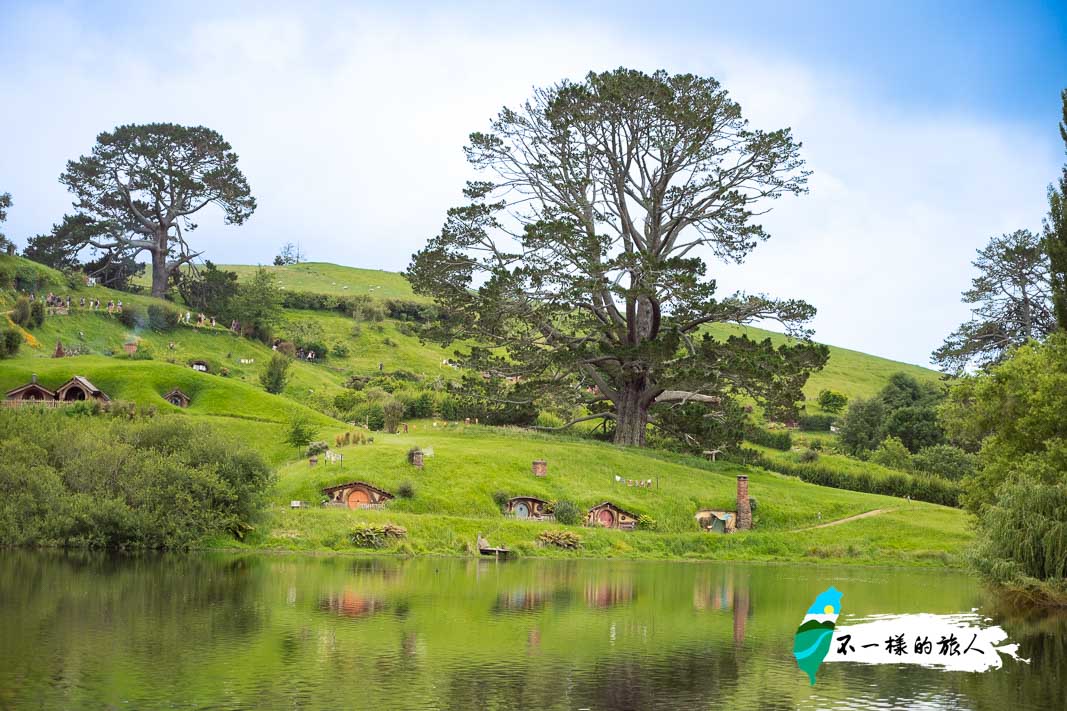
<point>159,273</point>
<point>631,416</point>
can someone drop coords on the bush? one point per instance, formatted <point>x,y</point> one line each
<point>376,535</point>
<point>10,341</point>
<point>406,490</point>
<point>301,431</point>
<point>560,539</point>
<point>919,487</point>
<point>274,377</point>
<point>340,350</point>
<point>892,453</point>
<point>647,523</point>
<point>816,423</point>
<point>115,483</point>
<point>766,438</point>
<point>132,316</point>
<point>162,318</point>
<point>316,448</point>
<point>946,461</point>
<point>500,498</point>
<point>566,512</point>
<point>371,414</point>
<point>21,313</point>
<point>832,401</point>
<point>37,313</point>
<point>808,456</point>
<point>417,405</point>
<point>392,414</point>
<point>548,420</point>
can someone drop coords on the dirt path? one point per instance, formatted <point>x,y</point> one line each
<point>839,521</point>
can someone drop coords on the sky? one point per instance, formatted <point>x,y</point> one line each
<point>929,127</point>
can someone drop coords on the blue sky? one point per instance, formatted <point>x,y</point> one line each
<point>930,125</point>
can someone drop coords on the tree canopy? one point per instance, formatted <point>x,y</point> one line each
<point>1011,302</point>
<point>1055,233</point>
<point>5,205</point>
<point>579,262</point>
<point>142,185</point>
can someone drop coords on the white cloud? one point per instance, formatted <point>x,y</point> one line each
<point>350,127</point>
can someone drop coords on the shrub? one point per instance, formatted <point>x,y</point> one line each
<point>371,414</point>
<point>339,350</point>
<point>376,535</point>
<point>647,523</point>
<point>548,420</point>
<point>37,313</point>
<point>832,401</point>
<point>417,405</point>
<point>808,456</point>
<point>21,313</point>
<point>59,475</point>
<point>893,454</point>
<point>301,431</point>
<point>144,351</point>
<point>560,539</point>
<point>10,341</point>
<point>316,448</point>
<point>500,498</point>
<point>861,428</point>
<point>162,318</point>
<point>132,316</point>
<point>392,414</point>
<point>406,490</point>
<point>566,512</point>
<point>275,375</point>
<point>816,423</point>
<point>766,438</point>
<point>946,461</point>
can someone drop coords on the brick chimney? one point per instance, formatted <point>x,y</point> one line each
<point>744,511</point>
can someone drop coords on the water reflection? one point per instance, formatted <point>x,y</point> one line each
<point>93,631</point>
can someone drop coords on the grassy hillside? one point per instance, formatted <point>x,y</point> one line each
<point>334,279</point>
<point>453,502</point>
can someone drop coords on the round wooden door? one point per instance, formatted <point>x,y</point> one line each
<point>522,510</point>
<point>606,518</point>
<point>358,498</point>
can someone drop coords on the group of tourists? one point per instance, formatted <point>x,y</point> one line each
<point>62,305</point>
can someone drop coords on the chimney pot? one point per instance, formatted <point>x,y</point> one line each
<point>33,378</point>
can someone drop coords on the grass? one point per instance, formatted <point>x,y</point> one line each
<point>453,503</point>
<point>334,279</point>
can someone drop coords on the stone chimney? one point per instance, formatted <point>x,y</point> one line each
<point>540,467</point>
<point>744,510</point>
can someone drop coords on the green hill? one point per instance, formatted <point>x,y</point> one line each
<point>336,280</point>
<point>454,495</point>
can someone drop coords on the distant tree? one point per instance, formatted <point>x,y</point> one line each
<point>5,205</point>
<point>903,390</point>
<point>832,401</point>
<point>22,314</point>
<point>274,377</point>
<point>209,289</point>
<point>290,254</point>
<point>1055,233</point>
<point>1011,302</point>
<point>916,426</point>
<point>257,305</point>
<point>862,426</point>
<point>578,266</point>
<point>116,269</point>
<point>301,431</point>
<point>144,183</point>
<point>892,453</point>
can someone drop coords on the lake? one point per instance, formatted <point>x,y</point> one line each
<point>222,631</point>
